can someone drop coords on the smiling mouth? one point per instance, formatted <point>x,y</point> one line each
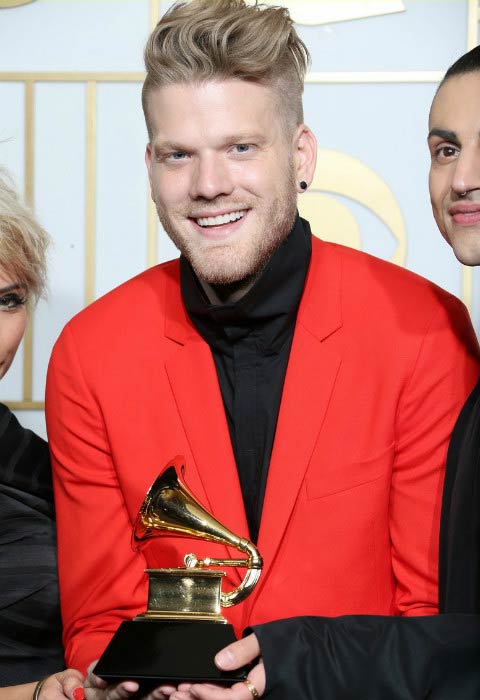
<point>466,218</point>
<point>221,219</point>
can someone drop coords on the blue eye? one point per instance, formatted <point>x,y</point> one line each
<point>242,147</point>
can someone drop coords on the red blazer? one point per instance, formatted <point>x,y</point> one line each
<point>381,363</point>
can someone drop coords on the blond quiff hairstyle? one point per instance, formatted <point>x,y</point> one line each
<point>23,243</point>
<point>206,40</point>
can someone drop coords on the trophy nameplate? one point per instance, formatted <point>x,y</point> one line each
<point>182,629</point>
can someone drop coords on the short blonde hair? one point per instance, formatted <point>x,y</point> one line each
<point>224,39</point>
<point>23,242</point>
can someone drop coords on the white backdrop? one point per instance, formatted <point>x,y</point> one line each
<point>72,134</point>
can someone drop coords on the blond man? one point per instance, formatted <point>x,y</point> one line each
<point>312,389</point>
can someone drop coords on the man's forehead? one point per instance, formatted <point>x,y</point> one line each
<point>233,106</point>
<point>457,99</point>
<point>209,89</point>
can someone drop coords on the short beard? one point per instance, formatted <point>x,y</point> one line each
<point>237,266</point>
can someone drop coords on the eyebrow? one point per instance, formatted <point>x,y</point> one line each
<point>444,134</point>
<point>11,288</point>
<point>161,147</point>
<point>165,146</point>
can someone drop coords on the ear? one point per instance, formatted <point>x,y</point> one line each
<point>305,154</point>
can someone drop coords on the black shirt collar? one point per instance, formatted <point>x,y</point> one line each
<point>267,311</point>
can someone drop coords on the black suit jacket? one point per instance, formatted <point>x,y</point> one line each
<point>366,657</point>
<point>460,525</point>
<point>30,624</point>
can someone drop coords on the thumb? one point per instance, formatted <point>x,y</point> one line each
<point>238,654</point>
<point>71,682</point>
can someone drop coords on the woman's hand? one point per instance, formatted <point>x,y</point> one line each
<point>98,689</point>
<point>65,684</point>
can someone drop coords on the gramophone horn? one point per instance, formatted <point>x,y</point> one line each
<point>170,508</point>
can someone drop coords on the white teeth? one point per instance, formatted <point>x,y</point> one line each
<point>218,220</point>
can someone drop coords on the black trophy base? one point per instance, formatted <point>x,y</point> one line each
<point>156,652</point>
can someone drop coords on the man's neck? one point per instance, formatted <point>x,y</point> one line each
<point>230,293</point>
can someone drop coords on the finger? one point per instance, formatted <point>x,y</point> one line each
<point>258,678</point>
<point>66,681</point>
<point>239,653</point>
<point>164,691</point>
<point>93,681</point>
<point>98,689</point>
<point>121,691</point>
<point>238,691</point>
<point>71,681</point>
<point>211,692</point>
<point>181,695</point>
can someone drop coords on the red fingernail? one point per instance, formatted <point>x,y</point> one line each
<point>78,694</point>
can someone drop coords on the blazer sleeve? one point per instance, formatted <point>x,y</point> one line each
<point>374,657</point>
<point>101,579</point>
<point>442,374</point>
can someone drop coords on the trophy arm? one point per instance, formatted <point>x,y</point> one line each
<point>254,565</point>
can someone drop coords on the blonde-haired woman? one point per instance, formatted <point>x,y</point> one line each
<point>30,625</point>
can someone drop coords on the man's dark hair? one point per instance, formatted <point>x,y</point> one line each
<point>468,63</point>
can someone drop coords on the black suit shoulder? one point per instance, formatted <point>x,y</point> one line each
<point>30,624</point>
<point>460,523</point>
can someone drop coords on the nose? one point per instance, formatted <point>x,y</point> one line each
<point>466,177</point>
<point>211,177</point>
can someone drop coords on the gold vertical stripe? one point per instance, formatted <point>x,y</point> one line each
<point>472,24</point>
<point>467,286</point>
<point>29,198</point>
<point>472,40</point>
<point>154,13</point>
<point>29,140</point>
<point>28,361</point>
<point>90,186</point>
<point>152,226</point>
<point>152,233</point>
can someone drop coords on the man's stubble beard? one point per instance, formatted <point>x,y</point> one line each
<point>226,264</point>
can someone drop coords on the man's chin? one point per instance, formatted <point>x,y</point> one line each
<point>223,276</point>
<point>467,252</point>
<point>225,266</point>
<point>470,258</point>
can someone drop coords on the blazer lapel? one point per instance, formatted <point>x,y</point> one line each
<point>309,382</point>
<point>193,379</point>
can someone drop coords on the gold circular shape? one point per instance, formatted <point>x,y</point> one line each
<point>251,688</point>
<point>341,174</point>
<point>14,3</point>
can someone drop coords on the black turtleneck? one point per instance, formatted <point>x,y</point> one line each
<point>250,342</point>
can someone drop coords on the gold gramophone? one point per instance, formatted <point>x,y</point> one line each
<point>174,639</point>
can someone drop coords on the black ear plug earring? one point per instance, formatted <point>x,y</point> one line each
<point>303,185</point>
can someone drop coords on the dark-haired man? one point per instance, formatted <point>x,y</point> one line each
<point>437,658</point>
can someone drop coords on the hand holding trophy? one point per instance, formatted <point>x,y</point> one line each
<point>178,635</point>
